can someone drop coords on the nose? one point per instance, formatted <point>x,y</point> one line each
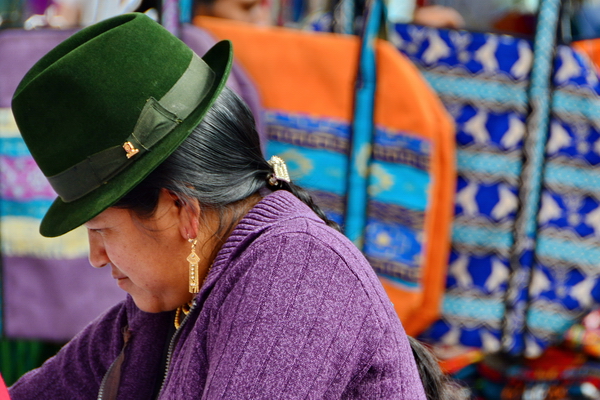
<point>98,257</point>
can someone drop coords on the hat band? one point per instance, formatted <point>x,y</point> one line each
<point>157,119</point>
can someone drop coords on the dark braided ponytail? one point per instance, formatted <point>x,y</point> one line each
<point>307,199</point>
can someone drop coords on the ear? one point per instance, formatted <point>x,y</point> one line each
<point>188,213</point>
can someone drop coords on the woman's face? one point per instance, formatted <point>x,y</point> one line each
<point>147,257</point>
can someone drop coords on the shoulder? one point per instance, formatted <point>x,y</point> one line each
<point>314,243</point>
<point>303,233</point>
<point>282,237</point>
<point>296,244</point>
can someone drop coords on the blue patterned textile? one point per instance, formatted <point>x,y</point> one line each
<point>516,286</point>
<point>316,150</point>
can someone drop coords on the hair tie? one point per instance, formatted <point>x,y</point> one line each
<point>280,172</point>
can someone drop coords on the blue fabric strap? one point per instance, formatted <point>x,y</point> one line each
<point>362,130</point>
<point>522,254</point>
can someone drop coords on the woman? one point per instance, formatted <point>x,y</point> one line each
<point>238,288</point>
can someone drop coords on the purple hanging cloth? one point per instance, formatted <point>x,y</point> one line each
<point>170,16</point>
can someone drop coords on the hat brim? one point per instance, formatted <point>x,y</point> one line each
<point>63,217</point>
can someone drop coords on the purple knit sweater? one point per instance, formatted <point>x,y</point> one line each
<point>290,310</point>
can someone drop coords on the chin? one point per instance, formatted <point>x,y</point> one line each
<point>148,306</point>
<point>155,304</point>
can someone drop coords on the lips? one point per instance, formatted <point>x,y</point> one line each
<point>122,281</point>
<point>118,275</point>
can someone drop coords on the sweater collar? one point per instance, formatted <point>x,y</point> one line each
<point>274,208</point>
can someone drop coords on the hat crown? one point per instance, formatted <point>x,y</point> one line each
<point>86,95</point>
<point>104,108</point>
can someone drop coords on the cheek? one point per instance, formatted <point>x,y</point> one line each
<point>123,255</point>
<point>148,267</point>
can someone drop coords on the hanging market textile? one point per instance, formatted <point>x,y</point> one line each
<point>49,290</point>
<point>524,260</point>
<point>307,83</point>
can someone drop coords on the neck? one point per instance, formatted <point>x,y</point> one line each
<point>223,221</point>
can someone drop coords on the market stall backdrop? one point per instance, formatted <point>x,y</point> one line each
<point>524,259</point>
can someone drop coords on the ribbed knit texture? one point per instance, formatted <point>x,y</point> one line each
<point>290,309</point>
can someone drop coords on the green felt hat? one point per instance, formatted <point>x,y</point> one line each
<point>105,107</point>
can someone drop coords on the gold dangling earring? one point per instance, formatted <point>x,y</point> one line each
<point>193,259</point>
